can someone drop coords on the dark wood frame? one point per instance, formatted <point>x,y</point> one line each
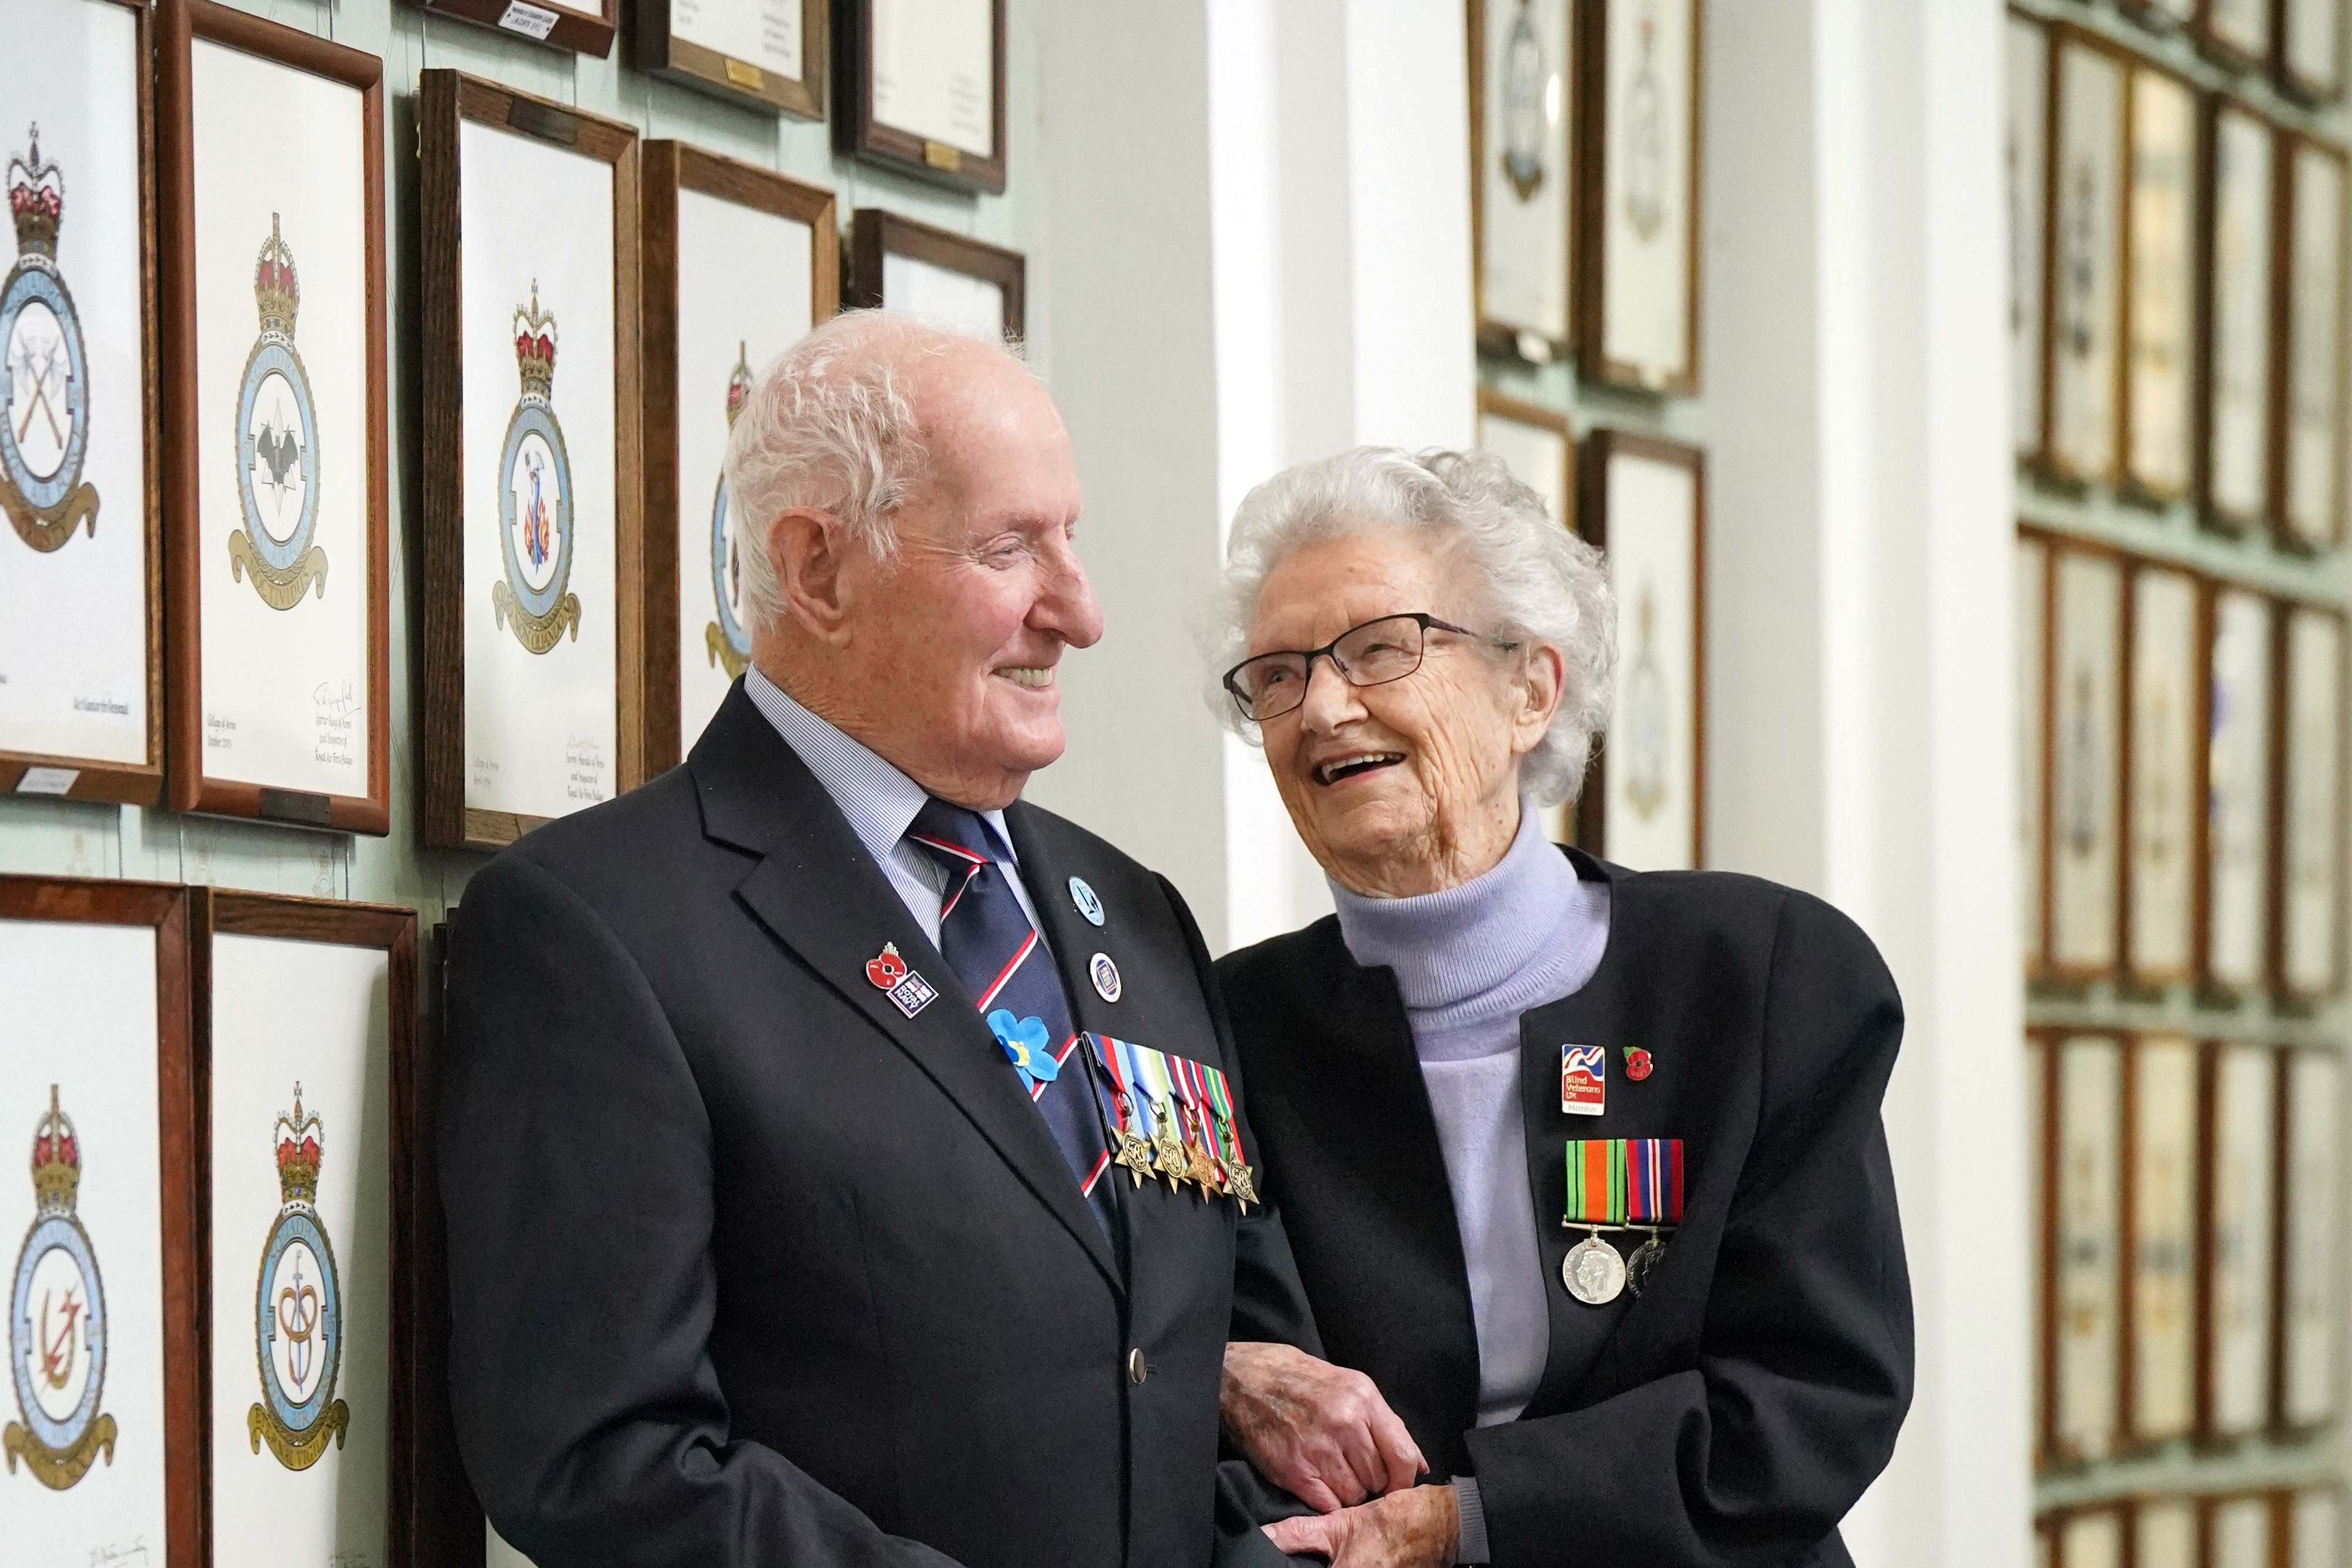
<point>670,167</point>
<point>1592,524</point>
<point>2282,1235</point>
<point>583,31</point>
<point>857,134</point>
<point>2055,1451</point>
<point>1530,413</point>
<point>2037,967</point>
<point>661,52</point>
<point>2285,146</point>
<point>2228,55</point>
<point>179,1086</point>
<point>2061,546</point>
<point>2131,485</point>
<point>2208,623</point>
<point>2130,1436</point>
<point>876,232</point>
<point>2055,1524</point>
<point>1590,314</point>
<point>2064,36</point>
<point>2029,444</point>
<point>180,23</point>
<point>444,100</point>
<point>2042,1191</point>
<point>1494,333</point>
<point>2303,88</point>
<point>2283,613</point>
<point>2209,1100</point>
<point>416,1481</point>
<point>136,784</point>
<point>2134,569</point>
<point>2211,513</point>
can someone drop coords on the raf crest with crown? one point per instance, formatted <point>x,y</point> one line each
<point>535,498</point>
<point>276,445</point>
<point>57,1322</point>
<point>298,1309</point>
<point>43,369</point>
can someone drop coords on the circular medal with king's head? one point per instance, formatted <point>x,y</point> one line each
<point>44,369</point>
<point>726,640</point>
<point>57,1322</point>
<point>276,445</point>
<point>298,1309</point>
<point>535,498</point>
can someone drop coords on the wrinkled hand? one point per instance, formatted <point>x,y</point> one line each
<point>1420,1527</point>
<point>1320,1432</point>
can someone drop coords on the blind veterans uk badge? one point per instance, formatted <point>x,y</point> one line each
<point>44,369</point>
<point>298,1309</point>
<point>535,498</point>
<point>1583,1079</point>
<point>277,447</point>
<point>725,638</point>
<point>57,1322</point>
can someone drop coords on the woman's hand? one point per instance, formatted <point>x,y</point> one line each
<point>1320,1432</point>
<point>1420,1527</point>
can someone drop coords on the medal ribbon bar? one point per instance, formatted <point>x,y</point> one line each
<point>1617,1181</point>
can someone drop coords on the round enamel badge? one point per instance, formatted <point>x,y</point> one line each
<point>1105,977</point>
<point>1088,904</point>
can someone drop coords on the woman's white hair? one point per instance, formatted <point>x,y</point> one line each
<point>831,425</point>
<point>1542,586</point>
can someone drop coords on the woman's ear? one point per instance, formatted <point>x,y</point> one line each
<point>1542,681</point>
<point>805,546</point>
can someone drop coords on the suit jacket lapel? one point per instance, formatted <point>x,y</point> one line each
<point>820,893</point>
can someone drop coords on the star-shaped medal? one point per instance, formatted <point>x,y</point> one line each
<point>1170,1144</point>
<point>1241,1183</point>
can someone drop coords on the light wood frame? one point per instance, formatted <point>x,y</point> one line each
<point>857,134</point>
<point>661,52</point>
<point>877,232</point>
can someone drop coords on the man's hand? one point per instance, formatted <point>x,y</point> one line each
<point>1420,1527</point>
<point>1320,1432</point>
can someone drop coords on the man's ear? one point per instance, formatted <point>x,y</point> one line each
<point>809,553</point>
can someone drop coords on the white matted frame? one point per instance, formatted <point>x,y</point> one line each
<point>2310,62</point>
<point>2159,906</point>
<point>922,89</point>
<point>2088,1272</point>
<point>2306,840</point>
<point>2237,1531</point>
<point>2236,1245</point>
<point>2309,1174</point>
<point>1538,446</point>
<point>2164,1532</point>
<point>2087,757</point>
<point>2091,1537</point>
<point>2234,768</point>
<point>2161,1224</point>
<point>763,54</point>
<point>1638,227</point>
<point>2158,440</point>
<point>2026,157</point>
<point>2083,291</point>
<point>952,280</point>
<point>82,700</point>
<point>2312,1520</point>
<point>2307,481</point>
<point>2234,405</point>
<point>2032,667</point>
<point>1523,174</point>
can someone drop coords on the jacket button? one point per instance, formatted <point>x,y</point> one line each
<point>1136,1371</point>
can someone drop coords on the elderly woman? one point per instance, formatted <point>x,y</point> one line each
<point>1582,1167</point>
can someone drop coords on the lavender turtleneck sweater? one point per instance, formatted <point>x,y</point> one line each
<point>1469,961</point>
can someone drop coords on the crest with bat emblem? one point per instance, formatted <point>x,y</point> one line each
<point>535,498</point>
<point>725,639</point>
<point>58,1323</point>
<point>43,369</point>
<point>277,447</point>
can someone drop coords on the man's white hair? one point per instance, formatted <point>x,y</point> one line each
<point>1540,584</point>
<point>831,425</point>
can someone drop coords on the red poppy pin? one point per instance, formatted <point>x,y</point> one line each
<point>885,969</point>
<point>1637,1063</point>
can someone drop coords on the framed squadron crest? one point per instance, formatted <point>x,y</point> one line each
<point>2158,337</point>
<point>2234,406</point>
<point>1638,231</point>
<point>739,265</point>
<point>2235,776</point>
<point>276,451</point>
<point>80,554</point>
<point>100,1411</point>
<point>922,89</point>
<point>1522,180</point>
<point>2082,302</point>
<point>2025,155</point>
<point>959,283</point>
<point>534,670</point>
<point>2307,487</point>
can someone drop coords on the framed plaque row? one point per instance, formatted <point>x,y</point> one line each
<point>2178,276</point>
<point>2281,1528</point>
<point>2187,1195</point>
<point>1584,147</point>
<point>2181,782</point>
<point>2299,42</point>
<point>218,1303</point>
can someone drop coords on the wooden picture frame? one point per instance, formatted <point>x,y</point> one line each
<point>1633,230</point>
<point>2032,667</point>
<point>2236,317</point>
<point>2310,49</point>
<point>261,961</point>
<point>1537,444</point>
<point>2155,411</point>
<point>2310,1519</point>
<point>55,1463</point>
<point>2158,1377</point>
<point>2026,158</point>
<point>2159,16</point>
<point>2234,34</point>
<point>2089,1270</point>
<point>736,63</point>
<point>2236,711</point>
<point>2236,1263</point>
<point>692,386</point>
<point>1648,755</point>
<point>583,30</point>
<point>2083,266</point>
<point>2305,871</point>
<point>2234,1530</point>
<point>2161,675</point>
<point>1523,197</point>
<point>2042,1205</point>
<point>2164,1532</point>
<point>931,137</point>
<point>2091,1536</point>
<point>2305,1367</point>
<point>883,244</point>
<point>256,595</point>
<point>472,697</point>
<point>2084,879</point>
<point>104,741</point>
<point>2308,344</point>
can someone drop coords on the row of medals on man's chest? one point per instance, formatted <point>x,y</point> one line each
<point>1632,1185</point>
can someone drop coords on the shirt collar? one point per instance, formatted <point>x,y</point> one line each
<point>879,800</point>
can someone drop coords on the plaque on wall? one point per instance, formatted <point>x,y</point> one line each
<point>2160,320</point>
<point>764,54</point>
<point>949,279</point>
<point>2311,55</point>
<point>2309,506</point>
<point>100,1423</point>
<point>739,265</point>
<point>2025,154</point>
<point>1644,502</point>
<point>2312,1519</point>
<point>1523,163</point>
<point>2164,1532</point>
<point>2239,1529</point>
<point>1639,240</point>
<point>2085,304</point>
<point>2086,761</point>
<point>2233,854</point>
<point>2235,408</point>
<point>2032,741</point>
<point>2237,1245</point>
<point>2309,1173</point>
<point>1537,444</point>
<point>534,671</point>
<point>923,88</point>
<point>2089,1277</point>
<point>2160,880</point>
<point>81,710</point>
<point>2307,882</point>
<point>276,452</point>
<point>2160,1106</point>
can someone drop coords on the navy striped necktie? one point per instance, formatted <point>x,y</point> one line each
<point>987,939</point>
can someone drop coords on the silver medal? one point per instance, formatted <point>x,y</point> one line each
<point>1645,1259</point>
<point>1593,1271</point>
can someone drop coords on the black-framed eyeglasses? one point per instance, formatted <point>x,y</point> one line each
<point>1371,654</point>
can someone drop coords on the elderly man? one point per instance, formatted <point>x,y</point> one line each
<point>780,1105</point>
